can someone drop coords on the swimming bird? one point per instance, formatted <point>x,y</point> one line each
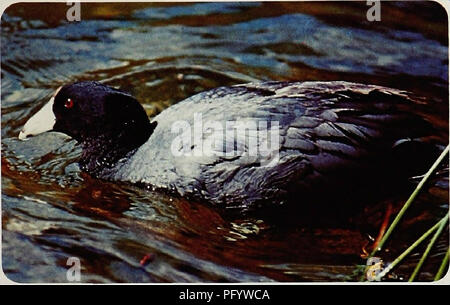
<point>248,146</point>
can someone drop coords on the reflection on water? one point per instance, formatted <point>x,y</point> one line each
<point>163,53</point>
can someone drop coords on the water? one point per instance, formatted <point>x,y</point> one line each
<point>163,53</point>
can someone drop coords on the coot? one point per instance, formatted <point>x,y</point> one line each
<point>247,146</point>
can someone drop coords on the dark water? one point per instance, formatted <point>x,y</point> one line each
<point>163,53</point>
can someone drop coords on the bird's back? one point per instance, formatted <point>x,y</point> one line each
<point>277,142</point>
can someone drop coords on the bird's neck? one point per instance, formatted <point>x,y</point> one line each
<point>102,153</point>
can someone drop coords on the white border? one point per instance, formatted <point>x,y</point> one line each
<point>4,280</point>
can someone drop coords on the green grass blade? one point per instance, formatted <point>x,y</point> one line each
<point>441,270</point>
<point>427,250</point>
<point>411,248</point>
<point>410,200</point>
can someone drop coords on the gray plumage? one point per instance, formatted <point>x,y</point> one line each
<point>331,135</point>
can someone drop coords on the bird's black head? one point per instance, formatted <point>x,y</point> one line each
<point>89,109</point>
<point>107,122</point>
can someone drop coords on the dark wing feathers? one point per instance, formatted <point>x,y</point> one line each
<point>327,136</point>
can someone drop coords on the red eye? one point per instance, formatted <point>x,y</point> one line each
<point>68,103</point>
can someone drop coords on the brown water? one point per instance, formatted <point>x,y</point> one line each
<point>163,53</point>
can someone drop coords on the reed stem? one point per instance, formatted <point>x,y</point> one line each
<point>410,200</point>
<point>411,248</point>
<point>428,249</point>
<point>441,270</point>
